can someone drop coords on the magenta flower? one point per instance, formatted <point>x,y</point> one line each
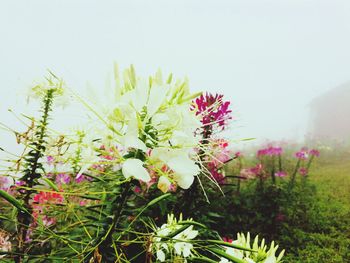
<point>213,110</point>
<point>303,171</point>
<point>50,160</point>
<point>302,154</point>
<point>280,174</point>
<point>238,155</point>
<point>314,152</point>
<point>270,151</point>
<point>5,183</point>
<point>82,178</point>
<point>280,217</point>
<point>62,178</point>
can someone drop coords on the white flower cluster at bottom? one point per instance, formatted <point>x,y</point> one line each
<point>178,246</point>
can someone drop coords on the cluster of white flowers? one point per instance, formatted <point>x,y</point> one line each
<point>178,246</point>
<point>57,86</point>
<point>153,117</point>
<point>260,255</point>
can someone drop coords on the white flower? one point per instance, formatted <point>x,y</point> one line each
<point>134,168</point>
<point>185,169</point>
<point>180,244</point>
<point>53,84</point>
<point>252,257</point>
<point>178,160</point>
<point>160,255</point>
<point>164,184</point>
<point>183,248</point>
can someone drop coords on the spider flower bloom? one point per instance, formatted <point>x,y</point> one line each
<point>260,252</point>
<point>213,110</point>
<point>62,178</point>
<point>5,183</point>
<point>270,151</point>
<point>280,174</point>
<point>302,154</point>
<point>179,245</point>
<point>303,171</point>
<point>314,152</point>
<point>219,154</point>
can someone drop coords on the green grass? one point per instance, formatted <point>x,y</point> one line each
<point>330,240</point>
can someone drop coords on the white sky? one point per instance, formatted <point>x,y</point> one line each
<point>270,58</point>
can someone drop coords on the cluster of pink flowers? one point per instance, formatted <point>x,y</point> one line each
<point>4,183</point>
<point>252,172</point>
<point>43,200</point>
<point>220,154</point>
<point>213,110</point>
<point>304,153</point>
<point>270,151</point>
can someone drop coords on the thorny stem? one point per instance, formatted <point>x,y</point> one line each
<point>31,175</point>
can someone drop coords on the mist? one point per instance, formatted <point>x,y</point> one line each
<point>271,59</point>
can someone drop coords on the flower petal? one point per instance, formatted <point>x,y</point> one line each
<point>134,168</point>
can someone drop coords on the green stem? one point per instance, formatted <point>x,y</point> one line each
<point>292,180</point>
<point>104,242</point>
<point>31,175</point>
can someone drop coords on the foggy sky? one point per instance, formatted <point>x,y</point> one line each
<point>270,58</point>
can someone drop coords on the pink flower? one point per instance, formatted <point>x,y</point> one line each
<point>238,155</point>
<point>280,174</point>
<point>270,151</point>
<point>257,170</point>
<point>303,171</point>
<point>82,202</point>
<point>280,217</point>
<point>82,178</point>
<point>314,152</point>
<point>48,221</point>
<point>50,160</point>
<point>5,183</point>
<point>137,190</point>
<point>227,239</point>
<point>213,110</point>
<point>302,154</point>
<point>48,197</point>
<point>62,178</point>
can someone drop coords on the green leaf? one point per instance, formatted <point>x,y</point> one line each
<point>50,183</point>
<point>178,231</point>
<point>194,223</point>
<point>223,254</point>
<point>13,201</point>
<point>89,197</point>
<point>158,199</point>
<point>227,244</point>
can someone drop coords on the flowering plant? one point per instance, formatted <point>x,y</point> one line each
<point>84,197</point>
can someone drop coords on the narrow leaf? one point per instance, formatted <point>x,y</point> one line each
<point>50,183</point>
<point>223,254</point>
<point>12,201</point>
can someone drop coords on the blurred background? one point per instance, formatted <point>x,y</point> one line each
<point>284,65</point>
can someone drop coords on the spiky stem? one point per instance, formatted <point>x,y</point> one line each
<point>32,174</point>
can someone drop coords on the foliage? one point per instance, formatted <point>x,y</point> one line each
<point>99,195</point>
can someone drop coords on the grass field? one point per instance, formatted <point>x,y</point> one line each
<point>330,239</point>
